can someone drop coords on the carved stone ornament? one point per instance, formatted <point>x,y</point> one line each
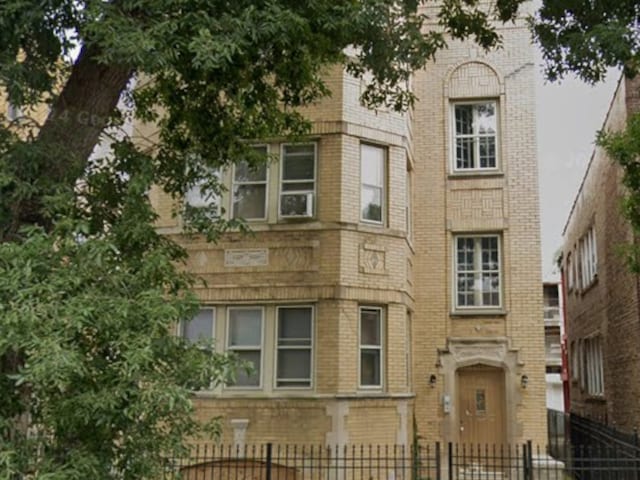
<point>248,257</point>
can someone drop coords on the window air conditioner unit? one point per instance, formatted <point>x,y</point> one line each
<point>296,205</point>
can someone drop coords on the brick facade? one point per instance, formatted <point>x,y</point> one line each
<point>605,307</point>
<point>337,264</point>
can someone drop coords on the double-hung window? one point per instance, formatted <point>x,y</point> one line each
<point>203,195</point>
<point>477,282</point>
<point>372,168</point>
<point>594,366</point>
<point>371,347</point>
<point>475,136</point>
<point>298,180</point>
<point>201,327</point>
<point>244,338</point>
<point>250,189</point>
<point>294,346</point>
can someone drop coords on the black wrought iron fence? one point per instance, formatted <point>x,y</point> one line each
<point>395,462</point>
<point>591,450</point>
<point>308,462</point>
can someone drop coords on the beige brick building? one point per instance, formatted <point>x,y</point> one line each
<point>602,309</point>
<point>395,268</point>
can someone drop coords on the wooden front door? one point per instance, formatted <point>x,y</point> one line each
<point>481,405</point>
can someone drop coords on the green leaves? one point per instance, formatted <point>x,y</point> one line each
<point>101,374</point>
<point>587,37</point>
<point>624,148</point>
<point>90,293</point>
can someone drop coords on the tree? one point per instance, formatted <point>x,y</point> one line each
<point>587,37</point>
<point>97,386</point>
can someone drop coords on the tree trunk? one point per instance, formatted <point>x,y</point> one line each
<point>70,133</point>
<point>58,157</point>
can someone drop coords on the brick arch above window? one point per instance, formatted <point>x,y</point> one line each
<point>474,79</point>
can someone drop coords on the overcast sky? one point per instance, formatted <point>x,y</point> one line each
<point>569,115</point>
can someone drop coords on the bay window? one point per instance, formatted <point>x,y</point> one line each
<point>372,178</point>
<point>250,189</point>
<point>371,354</point>
<point>294,346</point>
<point>244,338</point>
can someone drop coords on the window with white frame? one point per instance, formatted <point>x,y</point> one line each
<point>250,189</point>
<point>408,197</point>
<point>372,177</point>
<point>575,360</point>
<point>298,180</point>
<point>244,338</point>
<point>201,328</point>
<point>371,352</point>
<point>14,112</point>
<point>408,348</point>
<point>570,272</point>
<point>203,193</point>
<point>294,344</point>
<point>475,133</point>
<point>593,366</point>
<point>582,366</point>
<point>588,257</point>
<point>477,265</point>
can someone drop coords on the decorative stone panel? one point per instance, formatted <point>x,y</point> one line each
<point>372,259</point>
<point>476,79</point>
<point>248,257</point>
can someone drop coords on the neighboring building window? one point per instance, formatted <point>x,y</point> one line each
<point>570,273</point>
<point>477,271</point>
<point>250,190</point>
<point>245,340</point>
<point>582,372</point>
<point>201,327</point>
<point>475,136</point>
<point>593,366</point>
<point>371,347</point>
<point>588,257</point>
<point>575,360</point>
<point>298,179</point>
<point>294,346</point>
<point>372,167</point>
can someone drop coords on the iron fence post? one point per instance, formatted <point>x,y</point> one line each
<point>450,461</point>
<point>636,444</point>
<point>438,467</point>
<point>530,459</point>
<point>269,460</point>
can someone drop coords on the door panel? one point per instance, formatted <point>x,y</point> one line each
<point>481,405</point>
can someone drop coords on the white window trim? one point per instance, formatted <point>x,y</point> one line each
<point>409,204</point>
<point>379,347</point>
<point>266,188</point>
<point>217,197</point>
<point>180,326</point>
<point>276,348</point>
<point>228,348</point>
<point>383,187</point>
<point>13,112</point>
<point>282,181</point>
<point>574,360</point>
<point>453,137</point>
<point>594,366</point>
<point>460,308</point>
<point>570,272</point>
